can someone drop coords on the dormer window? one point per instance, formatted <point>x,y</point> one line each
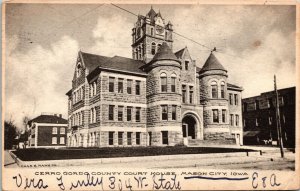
<point>186,65</point>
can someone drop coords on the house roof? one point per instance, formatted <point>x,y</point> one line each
<point>93,61</point>
<point>212,63</point>
<point>49,119</point>
<point>164,53</point>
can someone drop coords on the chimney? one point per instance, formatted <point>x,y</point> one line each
<point>60,115</point>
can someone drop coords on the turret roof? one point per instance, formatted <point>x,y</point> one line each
<point>164,53</point>
<point>212,63</point>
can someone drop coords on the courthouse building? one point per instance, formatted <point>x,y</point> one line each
<point>155,98</point>
<point>259,118</point>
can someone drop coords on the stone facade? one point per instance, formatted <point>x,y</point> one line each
<point>160,98</point>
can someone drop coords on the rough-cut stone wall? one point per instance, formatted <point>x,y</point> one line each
<point>156,98</point>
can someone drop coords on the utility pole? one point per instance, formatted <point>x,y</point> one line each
<point>278,124</point>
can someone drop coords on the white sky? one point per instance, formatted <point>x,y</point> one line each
<point>43,40</point>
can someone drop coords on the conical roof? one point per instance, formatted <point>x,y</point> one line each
<point>212,63</point>
<point>164,53</point>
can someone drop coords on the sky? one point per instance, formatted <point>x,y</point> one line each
<point>253,43</point>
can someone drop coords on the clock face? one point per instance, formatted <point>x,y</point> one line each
<point>159,29</point>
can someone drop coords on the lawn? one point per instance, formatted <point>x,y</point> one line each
<point>88,153</point>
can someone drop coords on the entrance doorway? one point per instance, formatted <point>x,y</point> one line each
<point>165,140</point>
<point>189,127</point>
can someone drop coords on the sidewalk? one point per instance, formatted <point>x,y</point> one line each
<point>8,160</point>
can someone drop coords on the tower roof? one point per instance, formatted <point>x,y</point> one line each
<point>151,14</point>
<point>212,63</point>
<point>164,53</point>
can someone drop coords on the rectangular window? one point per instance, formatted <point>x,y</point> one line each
<point>270,103</point>
<point>111,84</point>
<point>237,120</point>
<point>129,110</point>
<point>270,120</point>
<point>129,86</point>
<point>230,99</point>
<point>111,138</point>
<point>111,112</point>
<point>222,91</point>
<point>173,86</point>
<point>120,85</point>
<point>120,113</point>
<point>54,130</point>
<point>165,140</point>
<point>62,140</point>
<point>184,94</point>
<point>138,114</point>
<point>164,112</point>
<point>256,104</point>
<point>163,84</point>
<point>129,135</point>
<point>191,94</point>
<point>245,105</point>
<point>138,88</point>
<point>236,101</point>
<point>173,112</point>
<point>223,115</point>
<point>62,130</point>
<point>151,31</point>
<point>214,91</point>
<point>54,140</point>
<point>256,122</point>
<point>215,116</point>
<point>120,138</point>
<point>138,138</point>
<point>186,65</point>
<point>231,119</point>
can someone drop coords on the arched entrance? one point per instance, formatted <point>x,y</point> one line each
<point>189,126</point>
<point>192,127</point>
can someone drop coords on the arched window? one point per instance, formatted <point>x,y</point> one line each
<point>153,48</point>
<point>95,115</point>
<point>214,90</point>
<point>173,82</point>
<point>140,53</point>
<point>158,46</point>
<point>163,82</point>
<point>95,88</point>
<point>222,89</point>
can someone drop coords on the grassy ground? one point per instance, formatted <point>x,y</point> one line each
<point>86,153</point>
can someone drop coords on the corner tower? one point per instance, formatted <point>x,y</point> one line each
<point>214,98</point>
<point>163,98</point>
<point>148,34</point>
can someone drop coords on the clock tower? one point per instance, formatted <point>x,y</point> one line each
<point>148,34</point>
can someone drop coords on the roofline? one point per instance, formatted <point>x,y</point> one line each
<point>235,88</point>
<point>117,71</point>
<point>293,87</point>
<point>201,71</point>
